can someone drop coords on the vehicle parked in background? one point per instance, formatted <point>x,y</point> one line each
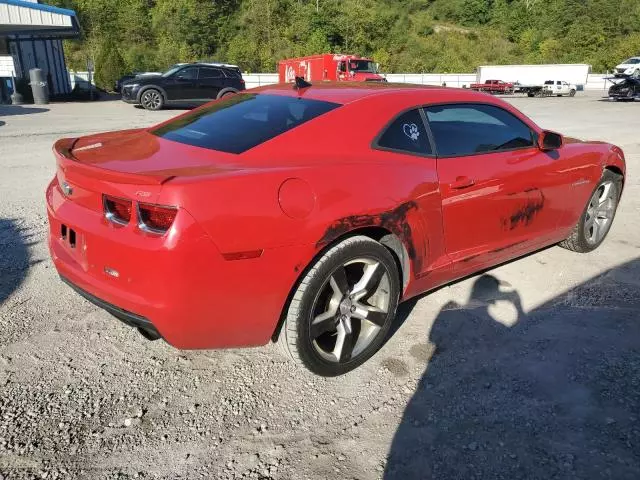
<point>558,88</point>
<point>248,221</point>
<point>576,73</point>
<point>529,90</point>
<point>187,83</point>
<point>494,87</point>
<point>329,67</point>
<point>625,89</point>
<point>131,76</point>
<point>630,66</point>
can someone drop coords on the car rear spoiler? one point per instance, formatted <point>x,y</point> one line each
<point>63,151</point>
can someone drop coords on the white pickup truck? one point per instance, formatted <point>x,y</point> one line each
<point>558,88</point>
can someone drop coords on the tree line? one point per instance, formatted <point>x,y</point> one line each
<point>402,35</point>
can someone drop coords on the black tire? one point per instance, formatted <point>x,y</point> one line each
<point>152,99</point>
<point>578,240</point>
<point>310,296</point>
<point>572,92</point>
<point>531,94</point>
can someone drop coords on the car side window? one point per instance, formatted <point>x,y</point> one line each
<point>210,73</point>
<point>406,134</point>
<point>469,129</point>
<point>189,73</point>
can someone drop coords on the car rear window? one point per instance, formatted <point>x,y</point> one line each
<point>242,121</point>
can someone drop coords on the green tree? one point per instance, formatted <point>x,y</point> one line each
<point>109,65</point>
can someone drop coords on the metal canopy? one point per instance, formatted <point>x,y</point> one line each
<point>21,17</point>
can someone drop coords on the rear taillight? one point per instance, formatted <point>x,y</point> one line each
<point>156,218</point>
<point>117,210</point>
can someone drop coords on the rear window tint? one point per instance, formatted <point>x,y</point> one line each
<point>242,121</point>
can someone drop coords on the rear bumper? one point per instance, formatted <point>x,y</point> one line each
<point>128,318</point>
<point>178,285</point>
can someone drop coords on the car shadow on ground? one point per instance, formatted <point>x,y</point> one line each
<point>15,256</point>
<point>11,110</point>
<point>553,393</point>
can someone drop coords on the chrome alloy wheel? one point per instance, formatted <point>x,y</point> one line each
<point>151,100</point>
<point>350,309</point>
<point>600,211</point>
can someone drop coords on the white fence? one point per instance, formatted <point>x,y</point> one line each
<point>6,66</point>
<point>459,80</point>
<point>81,78</point>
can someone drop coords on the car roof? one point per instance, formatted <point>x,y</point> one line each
<point>347,92</point>
<point>206,64</point>
<point>215,64</point>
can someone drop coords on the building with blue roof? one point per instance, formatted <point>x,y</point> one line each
<point>31,35</point>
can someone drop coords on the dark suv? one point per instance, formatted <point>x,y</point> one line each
<point>184,83</point>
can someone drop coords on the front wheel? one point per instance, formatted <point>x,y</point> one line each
<point>572,93</point>
<point>596,220</point>
<point>152,99</point>
<point>343,307</point>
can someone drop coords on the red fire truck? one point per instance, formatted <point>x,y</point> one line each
<point>327,67</point>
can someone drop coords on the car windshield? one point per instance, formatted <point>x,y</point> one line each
<point>632,61</point>
<point>365,66</point>
<point>173,69</point>
<point>242,121</point>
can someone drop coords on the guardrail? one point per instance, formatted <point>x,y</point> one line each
<point>459,80</point>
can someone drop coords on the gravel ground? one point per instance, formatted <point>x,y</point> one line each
<point>529,371</point>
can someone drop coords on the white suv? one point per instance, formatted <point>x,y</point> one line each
<point>559,88</point>
<point>630,66</point>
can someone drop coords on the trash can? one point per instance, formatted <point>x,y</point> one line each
<point>38,86</point>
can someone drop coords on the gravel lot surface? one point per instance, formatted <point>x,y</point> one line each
<point>531,371</point>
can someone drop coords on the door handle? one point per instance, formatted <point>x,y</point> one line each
<point>462,182</point>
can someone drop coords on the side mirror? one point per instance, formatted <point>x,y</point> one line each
<point>549,141</point>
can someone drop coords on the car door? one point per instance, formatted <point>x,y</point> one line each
<point>405,142</point>
<point>210,81</point>
<point>183,84</point>
<point>493,182</point>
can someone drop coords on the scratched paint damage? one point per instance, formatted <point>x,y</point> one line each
<point>394,220</point>
<point>525,214</point>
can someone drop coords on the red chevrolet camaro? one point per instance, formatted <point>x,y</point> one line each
<point>305,215</point>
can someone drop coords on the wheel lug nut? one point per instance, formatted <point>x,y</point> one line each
<point>353,308</point>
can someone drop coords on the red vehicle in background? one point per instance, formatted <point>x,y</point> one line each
<point>494,86</point>
<point>331,67</point>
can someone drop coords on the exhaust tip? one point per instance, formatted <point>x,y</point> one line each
<point>148,334</point>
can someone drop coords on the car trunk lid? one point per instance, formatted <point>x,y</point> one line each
<point>132,164</point>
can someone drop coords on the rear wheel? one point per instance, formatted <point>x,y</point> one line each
<point>343,307</point>
<point>152,99</point>
<point>596,220</point>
